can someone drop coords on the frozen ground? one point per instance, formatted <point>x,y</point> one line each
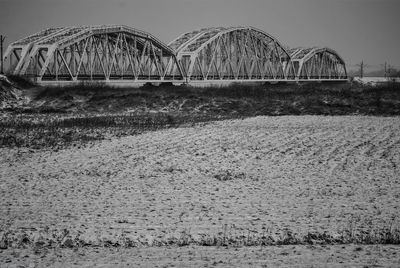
<point>263,176</point>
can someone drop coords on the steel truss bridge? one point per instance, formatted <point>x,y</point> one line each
<point>126,56</point>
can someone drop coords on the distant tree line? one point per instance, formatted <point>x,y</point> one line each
<point>390,72</point>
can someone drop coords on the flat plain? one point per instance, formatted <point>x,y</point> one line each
<point>274,185</point>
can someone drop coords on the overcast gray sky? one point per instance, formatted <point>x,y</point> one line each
<point>358,30</point>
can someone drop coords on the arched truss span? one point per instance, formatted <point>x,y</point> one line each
<point>93,53</point>
<point>318,63</point>
<point>235,53</point>
<point>124,53</point>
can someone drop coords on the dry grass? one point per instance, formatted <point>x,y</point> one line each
<point>61,117</point>
<point>387,234</point>
<point>242,100</point>
<point>76,115</point>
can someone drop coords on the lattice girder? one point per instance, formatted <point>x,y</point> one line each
<point>237,53</point>
<point>318,63</point>
<point>95,53</point>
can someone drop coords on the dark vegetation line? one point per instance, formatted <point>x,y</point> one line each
<point>234,91</point>
<point>57,133</point>
<point>64,238</point>
<point>246,100</point>
<point>21,82</point>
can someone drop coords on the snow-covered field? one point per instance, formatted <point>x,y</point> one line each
<point>253,178</point>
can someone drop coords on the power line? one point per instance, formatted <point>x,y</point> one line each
<point>369,66</point>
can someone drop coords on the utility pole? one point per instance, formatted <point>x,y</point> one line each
<point>362,66</point>
<point>361,69</point>
<point>385,69</point>
<point>2,38</point>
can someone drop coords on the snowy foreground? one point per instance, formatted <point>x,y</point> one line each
<point>274,177</point>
